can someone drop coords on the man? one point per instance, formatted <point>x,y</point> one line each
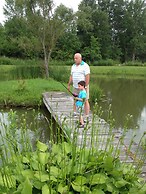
<point>80,71</point>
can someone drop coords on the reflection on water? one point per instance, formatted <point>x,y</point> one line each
<point>126,96</point>
<point>38,127</point>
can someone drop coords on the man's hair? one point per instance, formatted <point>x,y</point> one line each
<point>82,83</point>
<point>78,54</point>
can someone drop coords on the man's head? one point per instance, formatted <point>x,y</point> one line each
<point>81,85</point>
<point>77,58</point>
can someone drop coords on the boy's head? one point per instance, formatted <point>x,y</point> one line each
<point>81,85</point>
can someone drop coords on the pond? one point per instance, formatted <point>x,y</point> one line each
<point>37,122</point>
<point>127,97</point>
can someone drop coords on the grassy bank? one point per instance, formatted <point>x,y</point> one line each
<point>26,92</point>
<point>119,71</point>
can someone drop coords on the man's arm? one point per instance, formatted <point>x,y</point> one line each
<point>69,83</point>
<point>87,79</point>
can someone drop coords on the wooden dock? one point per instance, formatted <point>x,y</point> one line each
<point>96,131</point>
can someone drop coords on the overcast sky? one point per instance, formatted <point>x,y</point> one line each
<point>68,3</point>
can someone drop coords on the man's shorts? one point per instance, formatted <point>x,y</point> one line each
<point>76,91</point>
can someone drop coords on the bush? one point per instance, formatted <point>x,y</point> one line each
<point>95,93</point>
<point>5,61</point>
<point>61,63</point>
<point>59,73</point>
<point>108,62</point>
<point>19,62</point>
<point>133,63</point>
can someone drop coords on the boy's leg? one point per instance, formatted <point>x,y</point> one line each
<point>81,120</point>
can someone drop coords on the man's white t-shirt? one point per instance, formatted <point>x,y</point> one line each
<point>79,72</point>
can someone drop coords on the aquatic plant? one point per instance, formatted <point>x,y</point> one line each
<point>62,166</point>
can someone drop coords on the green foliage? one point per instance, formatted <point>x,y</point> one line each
<point>19,62</point>
<point>134,63</point>
<point>5,61</point>
<point>107,62</point>
<point>96,93</point>
<point>118,28</point>
<point>61,170</point>
<point>61,63</point>
<point>60,73</point>
<point>63,167</point>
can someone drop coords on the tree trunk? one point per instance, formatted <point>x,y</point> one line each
<point>133,56</point>
<point>46,68</point>
<point>45,61</point>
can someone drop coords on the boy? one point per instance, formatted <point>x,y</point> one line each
<point>80,100</point>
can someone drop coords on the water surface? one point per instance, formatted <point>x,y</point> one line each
<point>127,97</point>
<point>35,121</point>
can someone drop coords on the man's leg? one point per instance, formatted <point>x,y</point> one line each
<point>74,106</point>
<point>87,105</point>
<point>87,108</point>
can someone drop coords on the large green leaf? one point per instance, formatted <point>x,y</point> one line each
<point>80,180</point>
<point>120,183</point>
<point>108,163</point>
<point>27,187</point>
<point>55,171</point>
<point>45,189</point>
<point>41,146</point>
<point>110,187</point>
<point>43,158</point>
<point>38,184</point>
<point>25,159</point>
<point>97,191</point>
<point>98,179</point>
<point>79,188</point>
<point>42,176</point>
<point>28,173</point>
<point>56,149</point>
<point>63,188</point>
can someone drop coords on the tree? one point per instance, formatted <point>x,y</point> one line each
<point>47,26</point>
<point>2,39</point>
<point>44,23</point>
<point>136,17</point>
<point>93,22</point>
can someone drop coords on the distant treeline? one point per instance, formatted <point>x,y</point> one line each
<point>101,30</point>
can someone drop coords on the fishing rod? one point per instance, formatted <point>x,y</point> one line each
<point>74,95</point>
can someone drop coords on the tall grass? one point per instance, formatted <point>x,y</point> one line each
<point>93,166</point>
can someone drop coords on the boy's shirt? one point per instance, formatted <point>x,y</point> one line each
<point>82,94</point>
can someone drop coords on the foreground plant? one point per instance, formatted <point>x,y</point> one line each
<point>62,168</point>
<point>58,171</point>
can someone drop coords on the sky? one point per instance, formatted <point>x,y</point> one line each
<point>68,3</point>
